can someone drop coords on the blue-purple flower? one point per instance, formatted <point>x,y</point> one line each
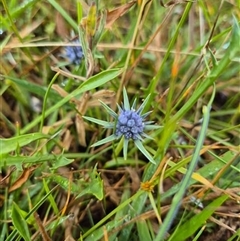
<point>129,124</point>
<point>74,53</point>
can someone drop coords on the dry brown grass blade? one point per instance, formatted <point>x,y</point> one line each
<point>23,178</point>
<point>110,190</point>
<point>68,194</point>
<point>45,236</point>
<point>116,13</point>
<point>61,27</point>
<point>23,34</point>
<point>81,108</point>
<point>68,74</point>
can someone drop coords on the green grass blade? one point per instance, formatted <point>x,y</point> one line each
<point>20,223</point>
<point>192,225</point>
<point>143,231</point>
<point>58,7</point>
<point>153,85</point>
<point>186,180</point>
<point>136,196</point>
<point>11,144</point>
<point>214,74</point>
<point>12,236</point>
<point>33,88</point>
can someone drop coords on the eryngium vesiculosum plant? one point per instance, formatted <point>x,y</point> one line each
<point>129,124</point>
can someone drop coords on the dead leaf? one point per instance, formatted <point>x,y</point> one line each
<point>82,108</point>
<point>134,177</point>
<point>68,74</point>
<point>23,34</point>
<point>42,230</point>
<point>106,96</point>
<point>65,143</point>
<point>60,90</point>
<point>23,178</point>
<point>61,26</point>
<point>116,13</point>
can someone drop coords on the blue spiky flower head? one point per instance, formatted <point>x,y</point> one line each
<point>74,53</point>
<point>129,124</point>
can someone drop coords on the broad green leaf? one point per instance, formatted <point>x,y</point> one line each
<point>11,144</point>
<point>34,88</point>
<point>20,223</point>
<point>61,161</point>
<point>19,160</point>
<point>94,187</point>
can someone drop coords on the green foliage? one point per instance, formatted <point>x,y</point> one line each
<point>20,223</point>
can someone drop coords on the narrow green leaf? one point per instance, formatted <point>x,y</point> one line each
<point>105,140</point>
<point>33,88</point>
<point>109,110</point>
<point>55,223</point>
<point>91,232</point>
<point>213,75</point>
<point>186,180</point>
<point>13,235</point>
<point>99,79</point>
<point>143,231</point>
<point>23,6</point>
<point>141,148</point>
<point>125,100</point>
<point>92,83</point>
<point>100,28</point>
<point>51,198</point>
<point>97,121</point>
<point>20,223</point>
<point>98,233</point>
<point>196,222</point>
<point>125,148</point>
<point>59,8</point>
<point>122,162</point>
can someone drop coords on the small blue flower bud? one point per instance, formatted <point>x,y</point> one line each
<point>129,124</point>
<point>74,53</point>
